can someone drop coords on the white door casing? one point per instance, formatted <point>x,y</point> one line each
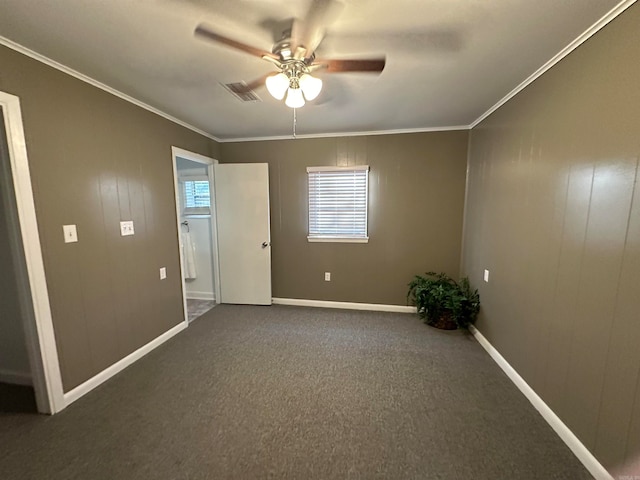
<point>244,240</point>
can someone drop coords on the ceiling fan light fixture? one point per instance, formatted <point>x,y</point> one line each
<point>277,85</point>
<point>311,86</point>
<point>294,55</point>
<point>294,98</point>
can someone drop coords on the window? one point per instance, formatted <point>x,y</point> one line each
<point>338,204</point>
<point>196,195</point>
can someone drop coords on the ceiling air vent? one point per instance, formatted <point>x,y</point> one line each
<point>242,91</point>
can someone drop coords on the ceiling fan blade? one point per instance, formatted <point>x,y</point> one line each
<point>203,31</point>
<point>374,65</point>
<point>258,82</point>
<point>241,88</point>
<point>309,33</point>
<point>297,31</point>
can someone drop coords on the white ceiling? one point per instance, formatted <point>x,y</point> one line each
<point>448,61</point>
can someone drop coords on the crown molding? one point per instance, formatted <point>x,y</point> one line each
<point>346,134</point>
<point>91,81</point>
<point>586,35</point>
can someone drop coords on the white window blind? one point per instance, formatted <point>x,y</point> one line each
<point>338,198</point>
<point>196,195</point>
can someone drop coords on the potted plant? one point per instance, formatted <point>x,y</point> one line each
<point>442,302</point>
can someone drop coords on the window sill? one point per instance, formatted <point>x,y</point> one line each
<point>338,239</point>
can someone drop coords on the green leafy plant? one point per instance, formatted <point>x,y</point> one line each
<point>443,302</point>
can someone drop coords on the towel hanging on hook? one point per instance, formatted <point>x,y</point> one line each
<point>188,257</point>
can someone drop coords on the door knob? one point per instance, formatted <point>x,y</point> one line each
<point>265,244</point>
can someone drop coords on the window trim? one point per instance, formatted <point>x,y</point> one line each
<point>327,239</point>
<point>340,238</point>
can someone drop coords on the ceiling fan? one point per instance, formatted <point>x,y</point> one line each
<point>294,56</point>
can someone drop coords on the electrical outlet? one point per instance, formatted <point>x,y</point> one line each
<point>70,233</point>
<point>163,273</point>
<point>126,228</point>
<point>327,276</point>
<point>486,275</point>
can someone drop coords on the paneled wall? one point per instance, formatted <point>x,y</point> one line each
<point>553,211</point>
<point>416,196</point>
<point>96,160</point>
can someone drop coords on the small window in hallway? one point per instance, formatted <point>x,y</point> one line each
<point>196,196</point>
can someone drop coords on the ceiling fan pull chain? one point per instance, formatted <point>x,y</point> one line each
<point>295,121</point>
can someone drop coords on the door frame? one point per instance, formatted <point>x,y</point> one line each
<point>26,252</point>
<point>209,162</point>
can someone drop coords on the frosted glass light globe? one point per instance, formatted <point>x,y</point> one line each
<point>311,86</point>
<point>294,98</point>
<point>277,85</point>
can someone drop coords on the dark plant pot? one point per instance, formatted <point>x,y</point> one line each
<point>444,322</point>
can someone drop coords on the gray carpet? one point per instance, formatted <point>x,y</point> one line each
<point>286,392</point>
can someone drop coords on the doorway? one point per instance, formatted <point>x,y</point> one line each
<point>231,214</point>
<point>16,385</point>
<point>195,211</point>
<point>30,365</point>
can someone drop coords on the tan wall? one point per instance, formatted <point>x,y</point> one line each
<point>553,211</point>
<point>14,360</point>
<point>96,160</point>
<point>416,196</point>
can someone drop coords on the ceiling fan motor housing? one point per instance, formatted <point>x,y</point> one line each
<point>283,49</point>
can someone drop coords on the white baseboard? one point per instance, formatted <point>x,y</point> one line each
<point>200,295</point>
<point>577,447</point>
<point>15,378</point>
<point>376,307</point>
<point>73,395</point>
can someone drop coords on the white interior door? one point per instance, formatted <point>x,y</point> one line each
<point>244,240</point>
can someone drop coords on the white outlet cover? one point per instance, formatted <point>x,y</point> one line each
<point>486,275</point>
<point>163,273</point>
<point>70,233</point>
<point>327,276</point>
<point>126,228</point>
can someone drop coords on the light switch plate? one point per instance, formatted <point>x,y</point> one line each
<point>163,273</point>
<point>486,275</point>
<point>70,233</point>
<point>327,276</point>
<point>126,228</point>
